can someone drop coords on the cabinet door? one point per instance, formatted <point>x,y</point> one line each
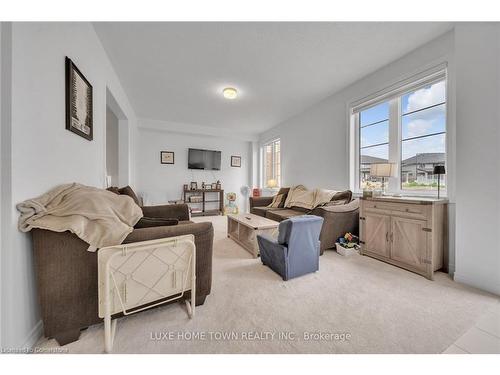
<point>376,234</point>
<point>409,242</point>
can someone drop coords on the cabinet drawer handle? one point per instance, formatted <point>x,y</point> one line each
<point>386,236</point>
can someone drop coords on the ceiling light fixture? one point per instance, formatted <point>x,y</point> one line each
<point>230,93</point>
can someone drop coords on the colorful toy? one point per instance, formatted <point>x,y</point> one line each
<point>349,241</point>
<point>231,207</point>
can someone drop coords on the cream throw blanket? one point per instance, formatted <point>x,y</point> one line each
<point>97,216</point>
<point>299,196</point>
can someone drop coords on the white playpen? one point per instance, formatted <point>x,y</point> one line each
<point>138,276</point>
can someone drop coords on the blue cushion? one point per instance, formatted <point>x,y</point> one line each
<point>296,251</point>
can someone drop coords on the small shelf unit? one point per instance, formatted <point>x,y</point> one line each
<point>203,193</point>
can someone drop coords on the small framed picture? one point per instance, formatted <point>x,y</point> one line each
<point>194,185</point>
<point>236,161</point>
<point>167,157</point>
<point>214,185</point>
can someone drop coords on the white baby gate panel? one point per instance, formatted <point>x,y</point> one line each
<point>144,273</point>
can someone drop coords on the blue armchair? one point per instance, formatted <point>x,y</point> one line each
<point>296,252</point>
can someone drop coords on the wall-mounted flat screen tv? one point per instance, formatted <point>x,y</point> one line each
<point>204,159</point>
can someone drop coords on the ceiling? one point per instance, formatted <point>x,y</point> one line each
<point>176,71</point>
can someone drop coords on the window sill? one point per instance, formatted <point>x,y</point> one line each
<point>358,194</point>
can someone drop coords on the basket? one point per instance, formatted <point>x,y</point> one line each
<point>344,251</point>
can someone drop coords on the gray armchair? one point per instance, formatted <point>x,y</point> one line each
<point>296,252</point>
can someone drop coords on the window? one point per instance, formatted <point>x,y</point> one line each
<point>373,143</point>
<point>423,137</point>
<point>405,126</point>
<point>272,162</point>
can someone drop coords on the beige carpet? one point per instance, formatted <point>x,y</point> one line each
<point>384,309</point>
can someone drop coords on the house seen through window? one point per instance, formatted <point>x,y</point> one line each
<point>408,130</point>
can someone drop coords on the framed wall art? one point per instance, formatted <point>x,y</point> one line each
<point>167,157</point>
<point>79,102</point>
<point>236,161</point>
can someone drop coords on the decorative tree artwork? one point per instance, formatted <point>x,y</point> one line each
<point>79,102</point>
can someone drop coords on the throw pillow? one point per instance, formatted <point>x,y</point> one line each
<point>148,222</point>
<point>127,190</point>
<point>284,192</point>
<point>342,196</point>
<point>294,190</point>
<point>278,201</point>
<point>323,196</point>
<point>301,197</point>
<point>335,203</point>
<point>114,189</point>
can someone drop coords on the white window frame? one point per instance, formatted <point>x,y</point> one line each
<point>393,95</point>
<point>264,178</point>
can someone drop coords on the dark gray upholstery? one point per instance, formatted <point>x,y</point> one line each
<point>66,272</point>
<point>262,211</point>
<point>259,202</point>
<point>296,251</point>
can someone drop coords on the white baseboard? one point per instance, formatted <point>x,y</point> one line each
<point>34,335</point>
<point>451,270</point>
<point>472,282</point>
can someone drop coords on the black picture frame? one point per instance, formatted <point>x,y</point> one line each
<point>167,157</point>
<point>193,185</point>
<point>74,79</point>
<point>236,161</point>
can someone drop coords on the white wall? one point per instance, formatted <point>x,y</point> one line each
<point>112,147</point>
<point>1,175</point>
<point>158,183</point>
<point>317,139</point>
<point>126,140</point>
<point>44,153</point>
<point>315,143</point>
<point>5,160</point>
<point>477,48</point>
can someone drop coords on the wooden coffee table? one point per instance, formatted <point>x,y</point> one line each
<point>244,228</point>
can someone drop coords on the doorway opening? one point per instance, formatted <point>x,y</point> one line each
<point>112,154</point>
<point>117,159</point>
